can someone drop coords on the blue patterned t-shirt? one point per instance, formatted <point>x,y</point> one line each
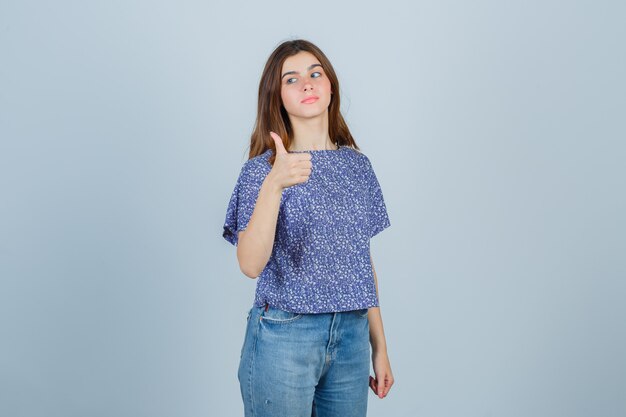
<point>320,260</point>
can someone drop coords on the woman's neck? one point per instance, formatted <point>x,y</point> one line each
<point>311,134</point>
<point>313,145</point>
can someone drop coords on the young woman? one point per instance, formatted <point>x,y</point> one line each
<point>302,213</point>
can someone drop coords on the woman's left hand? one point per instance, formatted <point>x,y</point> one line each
<point>384,378</point>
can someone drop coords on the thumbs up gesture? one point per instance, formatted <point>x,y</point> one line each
<point>289,168</point>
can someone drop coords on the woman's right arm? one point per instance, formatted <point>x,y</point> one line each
<point>255,244</point>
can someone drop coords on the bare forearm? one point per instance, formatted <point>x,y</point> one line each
<point>377,333</point>
<point>256,242</point>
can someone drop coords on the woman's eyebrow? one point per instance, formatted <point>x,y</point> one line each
<point>295,72</point>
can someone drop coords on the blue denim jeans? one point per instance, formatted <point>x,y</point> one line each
<point>305,365</point>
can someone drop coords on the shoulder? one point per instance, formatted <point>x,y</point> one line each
<point>359,157</point>
<point>256,167</point>
<point>260,161</point>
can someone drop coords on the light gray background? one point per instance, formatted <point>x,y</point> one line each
<point>496,130</point>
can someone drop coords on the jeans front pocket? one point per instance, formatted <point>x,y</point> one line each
<point>271,314</point>
<point>362,312</point>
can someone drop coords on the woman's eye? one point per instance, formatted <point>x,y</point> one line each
<point>316,72</point>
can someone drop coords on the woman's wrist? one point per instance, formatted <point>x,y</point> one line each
<point>271,184</point>
<point>379,351</point>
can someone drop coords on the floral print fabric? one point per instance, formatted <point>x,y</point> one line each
<point>320,261</point>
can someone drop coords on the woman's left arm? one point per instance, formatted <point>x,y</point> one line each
<point>380,360</point>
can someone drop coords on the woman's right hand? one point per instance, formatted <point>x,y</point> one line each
<point>289,168</point>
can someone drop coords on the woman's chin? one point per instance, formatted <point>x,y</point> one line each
<point>309,114</point>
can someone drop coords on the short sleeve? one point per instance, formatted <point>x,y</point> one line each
<point>242,201</point>
<point>378,217</point>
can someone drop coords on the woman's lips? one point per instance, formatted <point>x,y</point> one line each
<point>310,100</point>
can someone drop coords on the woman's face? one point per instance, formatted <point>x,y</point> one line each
<point>303,77</point>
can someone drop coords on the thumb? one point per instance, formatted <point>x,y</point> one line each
<point>280,148</point>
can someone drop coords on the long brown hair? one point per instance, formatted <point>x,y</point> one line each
<point>271,114</point>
